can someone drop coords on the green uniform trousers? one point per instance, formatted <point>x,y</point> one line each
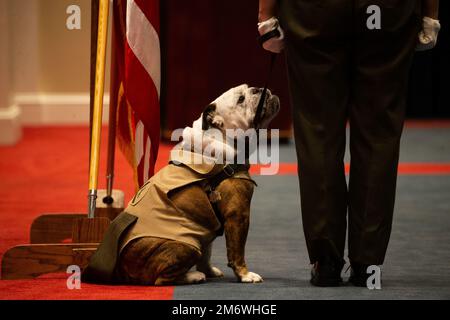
<point>339,71</point>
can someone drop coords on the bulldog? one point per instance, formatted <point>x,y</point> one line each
<point>170,224</point>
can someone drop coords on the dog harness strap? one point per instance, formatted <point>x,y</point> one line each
<point>228,171</point>
<point>102,264</point>
<point>219,216</point>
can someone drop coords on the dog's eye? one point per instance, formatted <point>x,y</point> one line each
<point>241,99</point>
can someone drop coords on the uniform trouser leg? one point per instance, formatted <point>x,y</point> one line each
<point>318,65</point>
<point>382,61</point>
<point>338,69</point>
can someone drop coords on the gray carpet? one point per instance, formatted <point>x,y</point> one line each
<point>417,145</point>
<point>418,260</point>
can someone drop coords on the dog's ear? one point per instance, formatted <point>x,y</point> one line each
<point>210,119</point>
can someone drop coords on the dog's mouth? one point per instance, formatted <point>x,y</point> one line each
<point>270,109</point>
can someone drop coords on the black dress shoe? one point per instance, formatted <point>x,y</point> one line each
<point>327,273</point>
<point>358,275</point>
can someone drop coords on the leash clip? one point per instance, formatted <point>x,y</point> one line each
<point>228,169</point>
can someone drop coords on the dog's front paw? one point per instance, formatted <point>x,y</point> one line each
<point>251,277</point>
<point>212,272</point>
<point>194,277</point>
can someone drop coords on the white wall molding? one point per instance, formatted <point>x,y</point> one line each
<point>10,127</point>
<point>56,109</point>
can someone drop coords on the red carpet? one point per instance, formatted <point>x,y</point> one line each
<point>47,173</point>
<point>53,287</point>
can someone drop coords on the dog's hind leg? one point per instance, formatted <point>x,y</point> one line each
<point>154,261</point>
<point>190,277</point>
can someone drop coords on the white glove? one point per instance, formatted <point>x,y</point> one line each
<point>275,45</point>
<point>429,34</point>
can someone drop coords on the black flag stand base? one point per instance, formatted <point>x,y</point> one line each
<point>49,251</point>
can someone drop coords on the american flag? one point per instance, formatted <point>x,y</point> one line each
<point>136,82</point>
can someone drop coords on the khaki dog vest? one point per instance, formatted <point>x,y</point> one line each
<point>157,214</point>
<point>151,213</point>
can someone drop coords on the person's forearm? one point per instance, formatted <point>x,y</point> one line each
<point>267,9</point>
<point>430,8</point>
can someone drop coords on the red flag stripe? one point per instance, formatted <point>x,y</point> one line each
<point>141,80</point>
<point>151,12</point>
<point>142,96</point>
<point>143,40</point>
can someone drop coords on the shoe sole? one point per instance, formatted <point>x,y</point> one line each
<point>326,282</point>
<point>358,283</point>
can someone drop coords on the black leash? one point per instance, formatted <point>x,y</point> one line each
<point>267,36</point>
<point>263,97</point>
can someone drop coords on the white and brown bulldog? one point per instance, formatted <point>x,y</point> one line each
<point>170,224</point>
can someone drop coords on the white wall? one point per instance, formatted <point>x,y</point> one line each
<point>10,129</point>
<point>44,67</point>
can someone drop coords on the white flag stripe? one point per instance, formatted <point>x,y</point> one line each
<point>139,145</point>
<point>147,159</point>
<point>144,42</point>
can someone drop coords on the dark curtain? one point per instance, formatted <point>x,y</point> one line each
<point>429,94</point>
<point>209,47</point>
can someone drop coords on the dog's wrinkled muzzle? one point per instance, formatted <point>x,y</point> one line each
<point>268,105</point>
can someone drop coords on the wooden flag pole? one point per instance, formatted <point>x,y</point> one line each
<point>46,253</point>
<point>98,105</point>
<point>109,200</point>
<point>111,155</point>
<point>94,37</point>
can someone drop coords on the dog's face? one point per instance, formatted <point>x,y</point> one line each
<point>236,109</point>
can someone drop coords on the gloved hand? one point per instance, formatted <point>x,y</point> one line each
<point>276,44</point>
<point>429,34</point>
